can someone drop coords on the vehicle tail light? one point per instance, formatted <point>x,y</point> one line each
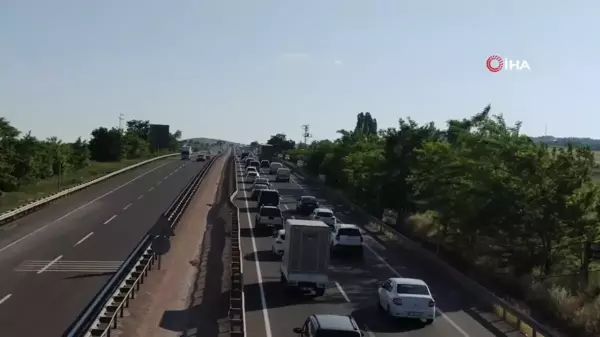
<point>397,301</point>
<point>431,303</point>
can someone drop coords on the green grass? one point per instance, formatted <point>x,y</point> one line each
<point>47,187</point>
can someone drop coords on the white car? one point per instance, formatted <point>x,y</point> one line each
<point>278,240</point>
<point>346,236</point>
<point>268,216</point>
<point>274,167</point>
<point>407,298</point>
<point>325,215</point>
<point>261,180</point>
<point>251,169</point>
<point>251,176</point>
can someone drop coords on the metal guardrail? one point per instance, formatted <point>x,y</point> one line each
<point>35,204</point>
<point>102,314</point>
<point>237,315</point>
<point>502,309</point>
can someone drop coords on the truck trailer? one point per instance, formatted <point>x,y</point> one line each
<point>266,152</point>
<point>305,261</point>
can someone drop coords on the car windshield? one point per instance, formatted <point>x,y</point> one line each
<point>324,214</point>
<point>349,232</point>
<point>270,212</point>
<point>412,289</point>
<point>337,333</point>
<point>264,163</point>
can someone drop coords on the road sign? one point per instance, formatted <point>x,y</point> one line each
<point>162,227</point>
<point>161,245</point>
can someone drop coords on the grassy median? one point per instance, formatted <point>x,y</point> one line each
<point>44,188</point>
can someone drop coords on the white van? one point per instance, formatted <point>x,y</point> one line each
<point>283,174</point>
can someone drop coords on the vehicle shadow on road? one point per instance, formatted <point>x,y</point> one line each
<point>276,296</point>
<point>372,318</point>
<point>262,256</point>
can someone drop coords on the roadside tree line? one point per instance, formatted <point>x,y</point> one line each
<point>25,160</point>
<point>520,216</point>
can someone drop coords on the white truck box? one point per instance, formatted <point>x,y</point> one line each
<point>305,262</point>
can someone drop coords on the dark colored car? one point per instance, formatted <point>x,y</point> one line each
<point>329,326</point>
<point>268,198</point>
<point>244,155</point>
<point>248,161</point>
<point>257,189</point>
<point>306,204</point>
<point>265,164</point>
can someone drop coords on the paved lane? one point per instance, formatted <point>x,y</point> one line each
<point>354,283</point>
<point>54,273</point>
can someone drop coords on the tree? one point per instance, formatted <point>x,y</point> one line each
<point>281,143</point>
<point>105,145</point>
<point>140,128</point>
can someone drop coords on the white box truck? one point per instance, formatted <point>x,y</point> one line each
<point>305,261</point>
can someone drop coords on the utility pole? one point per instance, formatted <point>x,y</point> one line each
<point>121,118</point>
<point>305,132</point>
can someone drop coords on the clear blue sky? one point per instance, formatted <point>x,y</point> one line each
<point>243,70</point>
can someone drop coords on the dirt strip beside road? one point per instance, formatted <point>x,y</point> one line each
<point>188,296</point>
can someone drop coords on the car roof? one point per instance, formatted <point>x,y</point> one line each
<point>336,322</point>
<point>405,280</point>
<point>261,185</point>
<point>324,210</point>
<point>308,196</point>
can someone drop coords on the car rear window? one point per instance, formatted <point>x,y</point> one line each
<point>264,164</point>
<point>282,236</point>
<point>349,232</point>
<point>324,214</point>
<point>412,289</point>
<point>260,187</point>
<point>252,173</point>
<point>269,197</point>
<point>309,200</point>
<point>270,212</point>
<point>254,163</point>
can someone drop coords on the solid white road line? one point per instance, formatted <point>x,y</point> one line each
<point>78,209</point>
<point>84,238</point>
<point>263,298</point>
<point>151,188</point>
<point>140,197</point>
<point>110,219</point>
<point>342,291</point>
<point>5,298</point>
<point>395,272</point>
<point>127,206</point>
<point>49,264</point>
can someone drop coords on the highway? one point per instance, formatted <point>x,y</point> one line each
<point>55,260</point>
<point>354,283</point>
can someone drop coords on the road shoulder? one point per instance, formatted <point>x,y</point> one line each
<point>175,298</point>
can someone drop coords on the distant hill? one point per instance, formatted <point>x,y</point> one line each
<point>594,144</point>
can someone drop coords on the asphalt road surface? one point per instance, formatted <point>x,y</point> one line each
<point>55,260</point>
<point>354,284</point>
